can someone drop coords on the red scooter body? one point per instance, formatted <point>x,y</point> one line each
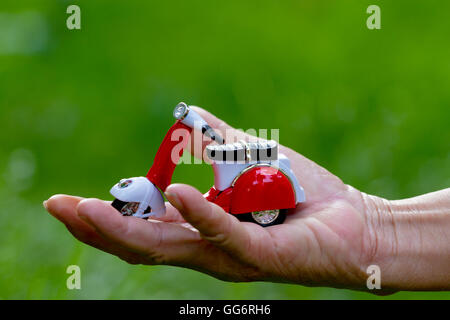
<point>257,188</point>
<point>262,188</point>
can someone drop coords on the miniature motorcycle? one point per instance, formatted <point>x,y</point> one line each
<point>252,181</point>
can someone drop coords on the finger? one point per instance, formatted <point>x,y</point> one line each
<point>60,206</point>
<point>158,242</point>
<point>201,256</point>
<point>171,215</point>
<point>212,120</point>
<point>215,225</point>
<point>63,208</point>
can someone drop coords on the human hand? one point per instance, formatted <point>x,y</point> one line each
<point>328,241</point>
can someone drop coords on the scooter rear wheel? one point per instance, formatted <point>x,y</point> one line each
<point>264,218</point>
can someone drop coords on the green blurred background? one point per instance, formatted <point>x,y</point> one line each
<point>80,109</point>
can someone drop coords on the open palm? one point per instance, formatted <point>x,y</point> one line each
<point>328,240</point>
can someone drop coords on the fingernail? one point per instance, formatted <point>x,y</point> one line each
<point>45,204</point>
<point>173,199</point>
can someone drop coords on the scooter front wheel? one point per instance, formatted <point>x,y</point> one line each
<point>265,218</point>
<point>127,208</point>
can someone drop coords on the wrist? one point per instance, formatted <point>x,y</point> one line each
<point>381,241</point>
<point>409,241</point>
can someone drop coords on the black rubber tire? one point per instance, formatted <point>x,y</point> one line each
<point>118,204</point>
<point>247,217</point>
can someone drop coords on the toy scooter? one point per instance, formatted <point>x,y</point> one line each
<point>252,181</point>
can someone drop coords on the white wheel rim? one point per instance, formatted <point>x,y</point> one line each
<point>265,216</point>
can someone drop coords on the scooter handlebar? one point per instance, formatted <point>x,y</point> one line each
<point>193,120</point>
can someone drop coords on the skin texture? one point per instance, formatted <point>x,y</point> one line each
<point>328,241</point>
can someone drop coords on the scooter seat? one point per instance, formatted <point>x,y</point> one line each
<point>244,152</point>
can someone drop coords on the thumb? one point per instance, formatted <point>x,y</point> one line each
<point>214,224</point>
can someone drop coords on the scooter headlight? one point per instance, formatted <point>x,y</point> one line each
<point>181,111</point>
<point>124,183</point>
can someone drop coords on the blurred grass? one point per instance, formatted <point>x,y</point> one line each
<point>81,109</point>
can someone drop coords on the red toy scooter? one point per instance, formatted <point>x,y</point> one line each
<point>251,179</point>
